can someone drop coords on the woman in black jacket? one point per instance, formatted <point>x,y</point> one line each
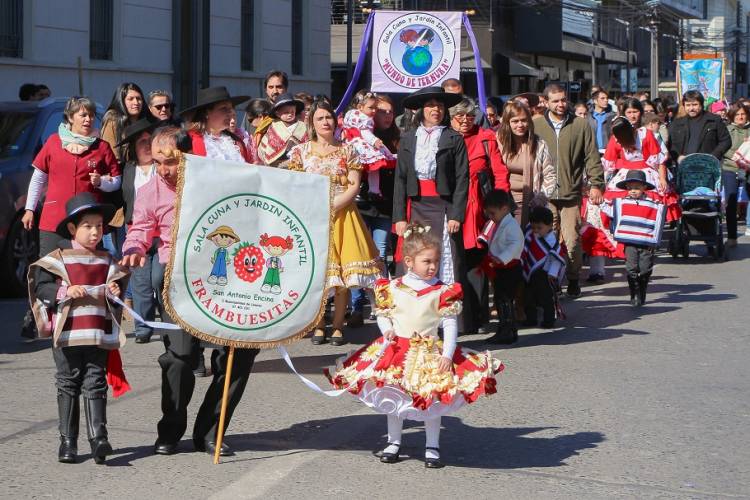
<point>432,181</point>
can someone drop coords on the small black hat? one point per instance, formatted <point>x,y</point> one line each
<point>417,100</point>
<point>212,95</point>
<point>635,176</point>
<point>285,99</point>
<point>81,203</point>
<point>134,130</point>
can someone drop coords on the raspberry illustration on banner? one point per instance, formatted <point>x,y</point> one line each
<point>248,262</point>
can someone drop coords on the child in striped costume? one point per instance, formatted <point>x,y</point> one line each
<point>543,263</point>
<point>68,289</point>
<point>637,223</point>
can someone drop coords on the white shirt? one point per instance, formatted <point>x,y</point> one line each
<point>142,177</point>
<point>507,242</point>
<point>222,148</point>
<point>425,156</point>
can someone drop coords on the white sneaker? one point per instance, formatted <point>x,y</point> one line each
<point>747,231</point>
<point>221,281</point>
<point>265,288</point>
<point>276,289</point>
<point>212,279</point>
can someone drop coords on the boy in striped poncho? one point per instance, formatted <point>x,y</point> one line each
<point>637,223</point>
<point>68,290</point>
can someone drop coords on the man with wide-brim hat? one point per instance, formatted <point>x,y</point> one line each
<point>281,131</point>
<point>210,119</point>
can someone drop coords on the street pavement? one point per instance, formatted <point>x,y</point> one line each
<point>616,403</point>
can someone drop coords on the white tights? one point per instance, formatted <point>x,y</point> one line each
<point>432,435</point>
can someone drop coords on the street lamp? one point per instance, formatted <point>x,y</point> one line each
<point>627,51</point>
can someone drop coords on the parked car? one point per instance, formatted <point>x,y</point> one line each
<point>24,127</point>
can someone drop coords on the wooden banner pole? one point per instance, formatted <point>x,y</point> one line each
<point>224,401</point>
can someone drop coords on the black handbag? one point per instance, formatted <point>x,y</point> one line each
<point>486,177</point>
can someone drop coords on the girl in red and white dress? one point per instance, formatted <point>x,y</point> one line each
<point>409,373</point>
<point>633,147</point>
<point>358,127</point>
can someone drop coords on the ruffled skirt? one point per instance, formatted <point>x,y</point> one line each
<point>353,259</point>
<point>402,379</point>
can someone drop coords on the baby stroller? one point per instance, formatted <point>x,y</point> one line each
<point>699,187</point>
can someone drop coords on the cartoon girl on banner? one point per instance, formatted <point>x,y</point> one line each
<point>223,237</point>
<point>417,58</point>
<point>275,246</point>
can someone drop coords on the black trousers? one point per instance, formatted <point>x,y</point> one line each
<point>731,188</point>
<point>81,369</point>
<point>476,290</point>
<point>506,284</point>
<point>639,260</point>
<point>539,293</point>
<point>180,358</point>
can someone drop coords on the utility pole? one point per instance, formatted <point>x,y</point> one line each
<point>737,42</point>
<point>349,35</point>
<point>653,26</point>
<point>594,33</point>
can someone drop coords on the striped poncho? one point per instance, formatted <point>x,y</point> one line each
<point>637,221</point>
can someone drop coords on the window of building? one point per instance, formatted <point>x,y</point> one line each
<point>297,36</point>
<point>247,27</point>
<point>101,14</point>
<point>11,28</point>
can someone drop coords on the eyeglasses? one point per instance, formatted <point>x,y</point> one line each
<point>464,117</point>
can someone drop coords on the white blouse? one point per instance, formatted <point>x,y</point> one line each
<point>425,157</point>
<point>222,148</point>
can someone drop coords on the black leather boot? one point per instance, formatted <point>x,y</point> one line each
<point>507,331</point>
<point>96,427</point>
<point>68,408</point>
<point>635,296</point>
<point>642,285</point>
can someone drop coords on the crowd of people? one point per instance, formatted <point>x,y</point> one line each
<point>441,212</point>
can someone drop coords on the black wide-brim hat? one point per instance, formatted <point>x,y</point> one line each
<point>635,176</point>
<point>134,130</point>
<point>82,203</point>
<point>286,99</point>
<point>212,95</point>
<point>417,100</point>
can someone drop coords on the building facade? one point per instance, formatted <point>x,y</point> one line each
<point>91,46</point>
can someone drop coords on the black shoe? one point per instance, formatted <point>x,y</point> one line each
<point>574,289</point>
<point>504,336</point>
<point>68,452</point>
<point>549,324</point>
<point>337,338</point>
<point>142,339</point>
<point>433,463</point>
<point>390,458</point>
<point>355,320</point>
<point>319,336</point>
<point>69,411</point>
<point>161,448</point>
<point>225,451</point>
<point>596,279</point>
<point>201,370</point>
<point>529,323</point>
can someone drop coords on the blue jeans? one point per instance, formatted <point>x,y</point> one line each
<point>380,227</point>
<point>146,284</point>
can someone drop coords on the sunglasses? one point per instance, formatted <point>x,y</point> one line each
<point>162,107</point>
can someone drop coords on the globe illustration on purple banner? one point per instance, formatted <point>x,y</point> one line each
<point>417,49</point>
<point>417,61</point>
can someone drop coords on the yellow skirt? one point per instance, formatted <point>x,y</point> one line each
<point>353,259</point>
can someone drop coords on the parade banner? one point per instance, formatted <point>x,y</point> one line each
<point>703,75</point>
<point>412,50</point>
<point>249,254</point>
